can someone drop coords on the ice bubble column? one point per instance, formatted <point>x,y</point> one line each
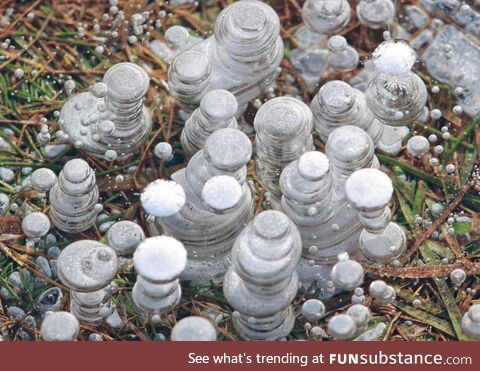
<point>87,268</point>
<point>242,56</point>
<point>262,282</point>
<point>127,84</point>
<point>111,116</point>
<point>395,95</point>
<point>307,198</point>
<point>283,128</point>
<point>369,191</point>
<point>341,57</point>
<point>248,47</point>
<point>337,104</point>
<point>73,198</point>
<point>217,110</point>
<point>375,13</point>
<point>206,228</point>
<point>348,149</point>
<point>189,77</point>
<point>326,16</point>
<point>159,261</point>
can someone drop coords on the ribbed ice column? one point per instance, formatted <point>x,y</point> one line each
<point>396,95</point>
<point>341,57</point>
<point>247,38</point>
<point>369,191</point>
<point>262,282</point>
<point>73,198</point>
<point>313,197</point>
<point>283,128</point>
<point>127,84</point>
<point>213,216</point>
<point>217,111</point>
<point>159,261</point>
<point>189,77</point>
<point>242,56</point>
<point>307,199</point>
<point>87,268</point>
<point>326,16</point>
<point>375,13</point>
<point>348,149</point>
<point>337,104</point>
<point>111,116</point>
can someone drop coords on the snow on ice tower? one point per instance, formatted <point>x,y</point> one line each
<point>396,95</point>
<point>218,204</point>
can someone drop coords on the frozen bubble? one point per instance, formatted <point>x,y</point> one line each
<point>438,149</point>
<point>342,327</point>
<point>99,89</point>
<point>457,110</point>
<point>49,301</point>
<point>437,209</point>
<point>417,303</point>
<point>471,322</point>
<point>177,37</point>
<point>110,155</point>
<point>7,175</point>
<point>313,310</point>
<point>377,288</point>
<point>163,198</point>
<point>434,161</point>
<point>347,274</point>
<point>458,276</point>
<point>418,145</point>
<point>43,179</point>
<point>36,225</point>
<point>360,314</point>
<point>435,114</point>
<point>106,127</point>
<point>69,86</point>
<point>19,73</point>
<point>450,168</point>
<point>435,89</point>
<point>163,151</point>
<point>358,291</point>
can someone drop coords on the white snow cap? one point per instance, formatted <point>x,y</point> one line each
<point>222,192</point>
<point>163,198</point>
<point>394,57</point>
